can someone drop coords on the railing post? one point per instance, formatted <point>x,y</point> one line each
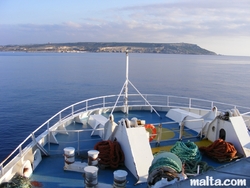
<point>190,102</point>
<point>72,111</point>
<point>78,143</point>
<point>103,102</point>
<point>248,127</point>
<point>181,130</point>
<point>203,124</point>
<point>159,134</point>
<point>60,117</point>
<point>33,137</point>
<point>20,151</point>
<point>48,136</point>
<point>86,105</point>
<point>167,100</point>
<point>1,170</point>
<point>212,104</point>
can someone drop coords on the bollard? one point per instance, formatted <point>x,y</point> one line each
<point>69,155</point>
<point>90,176</point>
<point>93,157</point>
<point>120,179</point>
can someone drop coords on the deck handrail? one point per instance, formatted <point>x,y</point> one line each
<point>102,102</point>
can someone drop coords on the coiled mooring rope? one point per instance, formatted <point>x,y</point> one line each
<point>165,165</point>
<point>111,154</point>
<point>191,157</point>
<point>166,160</point>
<point>19,181</point>
<point>220,150</point>
<point>188,151</point>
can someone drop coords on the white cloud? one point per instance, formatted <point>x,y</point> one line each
<point>206,23</point>
<point>72,24</point>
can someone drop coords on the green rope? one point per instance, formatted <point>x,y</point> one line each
<point>166,159</point>
<point>192,166</point>
<point>167,162</point>
<point>188,151</point>
<point>17,181</point>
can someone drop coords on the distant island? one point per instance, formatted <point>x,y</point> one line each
<point>112,47</point>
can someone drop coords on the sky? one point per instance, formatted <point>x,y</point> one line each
<point>221,26</point>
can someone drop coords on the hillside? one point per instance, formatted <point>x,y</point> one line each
<point>113,47</point>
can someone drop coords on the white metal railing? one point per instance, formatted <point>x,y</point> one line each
<point>134,100</point>
<point>77,141</point>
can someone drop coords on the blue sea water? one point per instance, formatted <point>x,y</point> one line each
<point>35,86</point>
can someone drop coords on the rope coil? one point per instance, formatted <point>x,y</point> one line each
<point>165,165</point>
<point>165,161</point>
<point>110,154</point>
<point>220,150</point>
<point>188,151</point>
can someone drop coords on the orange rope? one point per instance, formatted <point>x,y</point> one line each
<point>220,150</point>
<point>110,154</point>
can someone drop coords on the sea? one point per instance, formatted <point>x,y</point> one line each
<point>35,86</point>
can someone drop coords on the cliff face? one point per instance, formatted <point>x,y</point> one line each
<point>164,48</point>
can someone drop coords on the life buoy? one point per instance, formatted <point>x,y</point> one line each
<point>153,131</point>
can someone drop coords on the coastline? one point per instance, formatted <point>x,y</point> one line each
<point>111,47</point>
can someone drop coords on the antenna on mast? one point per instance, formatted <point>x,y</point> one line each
<point>125,89</point>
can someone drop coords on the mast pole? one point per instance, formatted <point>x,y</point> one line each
<point>126,86</point>
<point>125,90</point>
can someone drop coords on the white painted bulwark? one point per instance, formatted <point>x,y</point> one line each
<point>135,145</point>
<point>37,158</point>
<point>235,132</point>
<point>109,128</point>
<point>178,115</point>
<point>97,121</point>
<point>242,136</point>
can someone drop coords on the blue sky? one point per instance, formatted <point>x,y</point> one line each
<point>222,26</point>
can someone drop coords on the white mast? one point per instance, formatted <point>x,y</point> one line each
<point>125,89</point>
<point>126,86</point>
